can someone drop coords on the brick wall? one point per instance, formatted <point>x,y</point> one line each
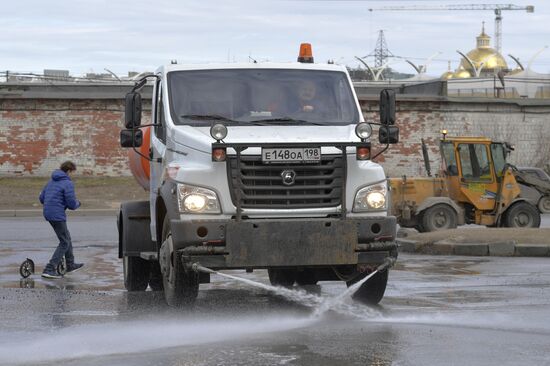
<point>37,134</point>
<point>527,127</point>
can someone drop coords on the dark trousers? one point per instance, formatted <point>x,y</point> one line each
<point>65,247</point>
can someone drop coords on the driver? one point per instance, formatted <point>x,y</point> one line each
<point>306,96</point>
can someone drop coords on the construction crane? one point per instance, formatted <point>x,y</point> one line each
<point>497,8</point>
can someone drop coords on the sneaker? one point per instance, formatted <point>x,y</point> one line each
<point>71,268</point>
<point>50,273</point>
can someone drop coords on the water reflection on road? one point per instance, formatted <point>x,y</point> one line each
<point>437,310</point>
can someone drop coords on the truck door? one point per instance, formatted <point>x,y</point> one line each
<point>477,179</point>
<point>498,153</point>
<point>158,148</point>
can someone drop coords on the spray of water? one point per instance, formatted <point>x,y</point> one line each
<point>92,340</point>
<point>320,304</point>
<point>105,339</point>
<point>297,295</point>
<point>333,302</point>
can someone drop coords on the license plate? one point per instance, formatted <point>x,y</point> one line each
<point>291,155</point>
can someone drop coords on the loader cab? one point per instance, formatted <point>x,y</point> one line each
<point>473,167</point>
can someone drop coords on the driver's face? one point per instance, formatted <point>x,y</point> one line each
<point>306,91</point>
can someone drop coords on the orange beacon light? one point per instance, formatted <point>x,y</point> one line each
<point>306,54</point>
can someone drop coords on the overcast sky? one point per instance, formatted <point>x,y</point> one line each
<point>84,35</point>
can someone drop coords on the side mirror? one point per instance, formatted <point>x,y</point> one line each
<point>131,138</point>
<point>388,135</point>
<point>387,107</point>
<point>132,112</point>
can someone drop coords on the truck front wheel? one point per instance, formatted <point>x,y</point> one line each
<point>372,291</point>
<point>155,282</point>
<point>307,277</point>
<point>136,273</point>
<point>181,287</point>
<point>281,277</point>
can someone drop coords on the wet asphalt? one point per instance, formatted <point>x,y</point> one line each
<point>438,310</point>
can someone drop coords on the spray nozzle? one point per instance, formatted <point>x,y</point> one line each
<point>196,267</point>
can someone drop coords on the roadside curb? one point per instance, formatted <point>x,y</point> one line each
<point>38,212</point>
<point>509,248</point>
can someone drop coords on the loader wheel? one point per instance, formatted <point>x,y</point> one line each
<point>372,291</point>
<point>522,214</point>
<point>281,277</point>
<point>136,273</point>
<point>181,287</point>
<point>439,217</point>
<point>544,204</point>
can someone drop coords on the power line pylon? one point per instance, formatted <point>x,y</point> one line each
<point>381,52</point>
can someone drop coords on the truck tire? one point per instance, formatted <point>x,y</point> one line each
<point>306,277</point>
<point>181,287</point>
<point>281,277</point>
<point>544,204</point>
<point>136,273</point>
<point>372,291</point>
<point>522,214</point>
<point>439,217</point>
<point>155,282</point>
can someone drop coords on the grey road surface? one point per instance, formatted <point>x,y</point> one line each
<point>437,311</point>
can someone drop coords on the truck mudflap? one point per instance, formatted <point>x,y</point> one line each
<point>286,243</point>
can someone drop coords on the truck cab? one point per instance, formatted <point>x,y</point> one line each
<point>256,166</point>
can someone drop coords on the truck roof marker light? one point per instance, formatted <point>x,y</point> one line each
<point>219,154</point>
<point>306,54</point>
<point>218,132</point>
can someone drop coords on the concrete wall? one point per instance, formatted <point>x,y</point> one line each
<point>38,131</point>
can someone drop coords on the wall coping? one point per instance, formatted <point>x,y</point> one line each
<point>117,90</point>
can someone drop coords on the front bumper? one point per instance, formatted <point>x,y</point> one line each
<point>225,244</point>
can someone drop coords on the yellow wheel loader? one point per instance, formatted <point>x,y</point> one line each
<point>475,185</point>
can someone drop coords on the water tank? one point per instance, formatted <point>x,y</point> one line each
<point>139,166</point>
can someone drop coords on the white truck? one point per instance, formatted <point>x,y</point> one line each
<point>256,166</point>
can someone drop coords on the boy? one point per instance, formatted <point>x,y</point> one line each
<point>57,196</point>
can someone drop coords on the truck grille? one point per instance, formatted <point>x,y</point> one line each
<point>259,185</point>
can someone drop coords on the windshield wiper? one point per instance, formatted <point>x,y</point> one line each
<point>284,121</point>
<point>256,122</point>
<point>208,117</point>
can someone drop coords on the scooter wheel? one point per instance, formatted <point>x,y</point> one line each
<point>27,268</point>
<point>62,268</point>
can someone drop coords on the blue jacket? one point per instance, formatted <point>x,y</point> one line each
<point>57,196</point>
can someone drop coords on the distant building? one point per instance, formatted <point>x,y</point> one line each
<point>482,61</point>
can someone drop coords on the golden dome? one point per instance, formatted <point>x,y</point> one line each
<point>461,73</point>
<point>447,75</point>
<point>492,61</point>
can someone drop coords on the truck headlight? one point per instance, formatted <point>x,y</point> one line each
<point>363,130</point>
<point>193,199</point>
<point>371,197</point>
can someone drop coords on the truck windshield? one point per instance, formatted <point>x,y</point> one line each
<point>266,96</point>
